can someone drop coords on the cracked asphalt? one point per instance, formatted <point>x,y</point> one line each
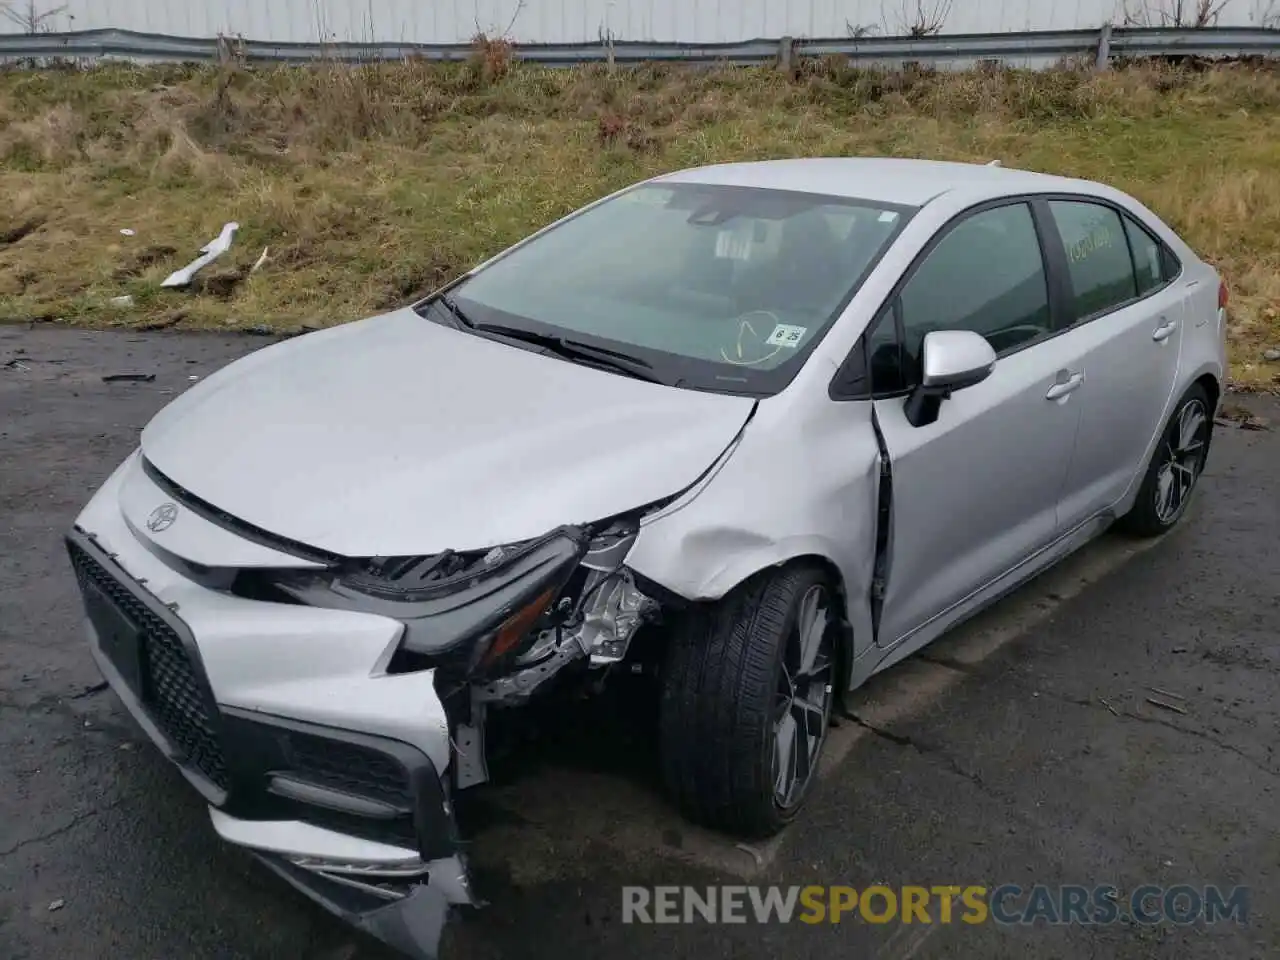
<point>1045,762</point>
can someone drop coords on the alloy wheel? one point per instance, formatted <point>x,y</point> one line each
<point>1183,452</point>
<point>805,696</point>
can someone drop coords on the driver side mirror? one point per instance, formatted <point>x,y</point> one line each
<point>950,360</point>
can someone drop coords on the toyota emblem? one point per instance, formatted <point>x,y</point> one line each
<point>162,517</point>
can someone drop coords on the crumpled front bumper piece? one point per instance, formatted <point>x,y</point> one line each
<point>397,898</point>
<point>356,815</point>
<point>413,924</point>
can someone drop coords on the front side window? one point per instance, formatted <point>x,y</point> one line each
<point>716,287</point>
<point>1098,261</point>
<point>987,275</point>
<point>884,355</point>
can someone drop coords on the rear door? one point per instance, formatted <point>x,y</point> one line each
<point>1127,316</point>
<point>975,492</point>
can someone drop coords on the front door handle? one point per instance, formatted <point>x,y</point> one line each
<point>1165,330</point>
<point>1063,387</point>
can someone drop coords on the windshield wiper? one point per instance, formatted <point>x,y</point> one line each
<point>614,360</point>
<point>459,314</point>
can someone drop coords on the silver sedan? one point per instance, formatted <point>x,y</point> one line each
<point>757,430</point>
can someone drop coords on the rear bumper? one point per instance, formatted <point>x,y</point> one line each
<point>345,798</point>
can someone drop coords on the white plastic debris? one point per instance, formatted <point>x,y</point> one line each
<point>128,232</point>
<point>57,905</point>
<point>994,163</point>
<point>125,301</point>
<point>209,252</point>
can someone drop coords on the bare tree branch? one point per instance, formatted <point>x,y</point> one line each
<point>1172,13</point>
<point>504,35</point>
<point>859,31</point>
<point>30,19</point>
<point>920,18</point>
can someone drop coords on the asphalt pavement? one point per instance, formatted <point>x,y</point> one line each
<point>1040,760</point>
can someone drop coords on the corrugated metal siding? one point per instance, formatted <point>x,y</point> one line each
<point>576,21</point>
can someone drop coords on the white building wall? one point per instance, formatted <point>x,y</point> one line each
<point>576,21</point>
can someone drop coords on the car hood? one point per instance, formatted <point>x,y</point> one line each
<point>396,435</point>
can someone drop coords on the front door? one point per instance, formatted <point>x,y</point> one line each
<point>975,492</point>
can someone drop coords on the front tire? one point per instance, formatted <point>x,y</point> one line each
<point>1174,469</point>
<point>747,695</point>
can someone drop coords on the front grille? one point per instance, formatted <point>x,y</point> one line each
<point>349,767</point>
<point>172,691</point>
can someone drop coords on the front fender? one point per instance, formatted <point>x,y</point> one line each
<point>704,564</point>
<point>799,484</point>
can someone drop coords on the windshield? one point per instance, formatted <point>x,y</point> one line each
<point>712,287</point>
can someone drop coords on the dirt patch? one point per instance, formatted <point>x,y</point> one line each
<point>139,262</point>
<point>415,283</point>
<point>1234,415</point>
<point>11,235</point>
<point>221,284</point>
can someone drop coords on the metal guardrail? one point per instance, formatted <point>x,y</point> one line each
<point>92,46</point>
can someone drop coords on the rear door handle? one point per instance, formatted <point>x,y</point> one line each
<point>1064,387</point>
<point>1165,330</point>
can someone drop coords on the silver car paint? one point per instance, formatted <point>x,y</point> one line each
<point>976,474</point>
<point>306,663</point>
<point>400,436</point>
<point>190,537</point>
<point>395,435</point>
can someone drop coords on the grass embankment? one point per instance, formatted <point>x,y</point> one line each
<point>371,185</point>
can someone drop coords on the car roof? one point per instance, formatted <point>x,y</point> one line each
<point>888,180</point>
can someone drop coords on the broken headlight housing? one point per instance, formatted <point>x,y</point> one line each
<point>497,610</point>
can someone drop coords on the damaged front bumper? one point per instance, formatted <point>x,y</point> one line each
<point>360,821</point>
<point>388,892</point>
<point>318,746</point>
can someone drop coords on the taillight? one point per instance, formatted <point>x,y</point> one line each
<point>1222,294</point>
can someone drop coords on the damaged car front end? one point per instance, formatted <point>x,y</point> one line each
<point>353,803</point>
<point>497,626</point>
<point>335,568</point>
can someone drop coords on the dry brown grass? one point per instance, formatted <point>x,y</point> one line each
<point>373,184</point>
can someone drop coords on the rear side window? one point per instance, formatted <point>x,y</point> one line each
<point>1098,263</point>
<point>1150,261</point>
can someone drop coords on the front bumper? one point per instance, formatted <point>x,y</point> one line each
<point>355,814</point>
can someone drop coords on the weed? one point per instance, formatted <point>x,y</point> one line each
<point>372,184</point>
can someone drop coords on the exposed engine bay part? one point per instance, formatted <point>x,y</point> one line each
<point>497,625</point>
<point>471,764</point>
<point>610,617</point>
<point>589,625</point>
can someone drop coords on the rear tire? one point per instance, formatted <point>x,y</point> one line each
<point>744,678</point>
<point>1174,469</point>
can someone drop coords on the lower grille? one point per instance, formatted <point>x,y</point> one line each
<point>172,692</point>
<point>349,767</point>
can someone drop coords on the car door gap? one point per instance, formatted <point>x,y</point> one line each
<point>884,528</point>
